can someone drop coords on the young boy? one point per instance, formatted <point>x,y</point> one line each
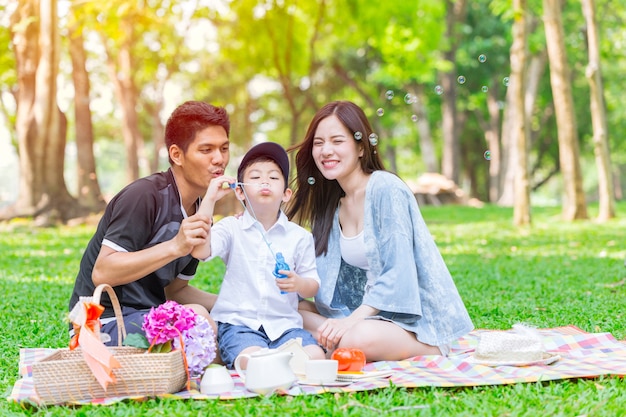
<point>254,308</point>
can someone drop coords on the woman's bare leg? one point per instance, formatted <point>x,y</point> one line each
<point>383,341</point>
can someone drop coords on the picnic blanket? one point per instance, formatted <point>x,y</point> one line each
<point>582,355</point>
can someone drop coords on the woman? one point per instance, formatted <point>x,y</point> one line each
<point>385,288</point>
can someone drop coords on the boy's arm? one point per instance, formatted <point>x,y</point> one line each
<point>217,189</point>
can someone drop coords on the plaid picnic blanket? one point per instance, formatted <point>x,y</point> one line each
<point>582,355</point>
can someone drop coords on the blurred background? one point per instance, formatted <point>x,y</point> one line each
<point>508,102</point>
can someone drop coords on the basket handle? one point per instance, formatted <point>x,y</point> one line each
<point>121,329</point>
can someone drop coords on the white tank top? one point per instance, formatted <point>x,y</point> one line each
<point>353,250</point>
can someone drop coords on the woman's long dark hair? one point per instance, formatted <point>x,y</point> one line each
<point>315,198</point>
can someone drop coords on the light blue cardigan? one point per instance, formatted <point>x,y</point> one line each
<point>412,285</point>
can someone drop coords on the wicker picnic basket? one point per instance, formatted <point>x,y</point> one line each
<point>64,377</point>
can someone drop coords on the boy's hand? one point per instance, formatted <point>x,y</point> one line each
<point>219,187</point>
<point>305,287</point>
<point>289,284</point>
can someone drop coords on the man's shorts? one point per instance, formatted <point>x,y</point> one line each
<point>133,320</point>
<point>232,339</point>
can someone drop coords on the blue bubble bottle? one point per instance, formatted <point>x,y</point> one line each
<point>281,265</point>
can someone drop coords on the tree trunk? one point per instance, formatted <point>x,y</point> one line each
<point>574,205</point>
<point>519,131</point>
<point>491,128</point>
<point>41,127</point>
<point>26,46</point>
<point>121,69</point>
<point>451,147</point>
<point>426,144</point>
<point>606,208</point>
<point>89,192</point>
<point>158,131</point>
<point>508,157</point>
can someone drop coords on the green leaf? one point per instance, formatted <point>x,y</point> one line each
<point>162,347</point>
<point>137,340</point>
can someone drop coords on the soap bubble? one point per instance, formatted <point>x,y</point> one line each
<point>487,155</point>
<point>380,111</point>
<point>485,88</point>
<point>482,58</point>
<point>505,81</point>
<point>408,99</point>
<point>389,94</point>
<point>358,135</point>
<point>311,180</point>
<point>373,139</point>
<point>414,117</point>
<point>460,79</point>
<point>439,90</point>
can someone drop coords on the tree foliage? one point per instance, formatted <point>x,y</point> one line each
<point>272,63</point>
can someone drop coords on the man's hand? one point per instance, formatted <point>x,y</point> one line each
<point>193,232</point>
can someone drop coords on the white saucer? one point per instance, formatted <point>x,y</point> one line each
<point>548,358</point>
<point>358,376</point>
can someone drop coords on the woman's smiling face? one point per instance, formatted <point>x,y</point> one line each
<point>335,151</point>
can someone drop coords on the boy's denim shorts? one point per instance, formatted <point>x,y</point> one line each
<point>232,339</point>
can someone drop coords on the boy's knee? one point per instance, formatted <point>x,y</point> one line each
<point>315,352</point>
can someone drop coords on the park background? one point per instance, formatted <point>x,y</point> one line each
<point>516,102</point>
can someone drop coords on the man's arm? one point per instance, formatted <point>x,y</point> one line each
<point>180,291</point>
<point>118,268</point>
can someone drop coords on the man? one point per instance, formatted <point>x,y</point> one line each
<point>142,246</point>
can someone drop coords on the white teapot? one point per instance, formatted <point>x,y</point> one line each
<point>267,371</point>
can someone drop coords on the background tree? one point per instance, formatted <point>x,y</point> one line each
<point>272,64</point>
<point>598,116</point>
<point>574,204</point>
<point>279,39</point>
<point>455,14</point>
<point>40,125</point>
<point>517,86</point>
<point>87,179</point>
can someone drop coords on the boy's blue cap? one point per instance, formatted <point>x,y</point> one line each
<point>270,150</point>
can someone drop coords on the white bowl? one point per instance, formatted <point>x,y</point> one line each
<point>216,379</point>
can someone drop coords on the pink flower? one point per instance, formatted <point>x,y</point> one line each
<point>167,321</point>
<point>170,322</point>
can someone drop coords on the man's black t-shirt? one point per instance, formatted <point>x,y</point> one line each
<point>143,214</point>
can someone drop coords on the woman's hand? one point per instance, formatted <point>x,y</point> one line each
<point>332,330</point>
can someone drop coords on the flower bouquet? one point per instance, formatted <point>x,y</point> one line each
<point>173,326</point>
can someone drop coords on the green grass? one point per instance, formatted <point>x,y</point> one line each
<point>551,274</point>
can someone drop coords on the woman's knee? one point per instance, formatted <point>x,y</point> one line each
<point>360,336</point>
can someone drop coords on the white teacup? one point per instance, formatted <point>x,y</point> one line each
<point>216,379</point>
<point>321,371</point>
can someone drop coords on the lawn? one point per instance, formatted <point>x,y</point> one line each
<point>551,274</point>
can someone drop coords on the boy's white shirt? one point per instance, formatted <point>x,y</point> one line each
<point>248,295</point>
